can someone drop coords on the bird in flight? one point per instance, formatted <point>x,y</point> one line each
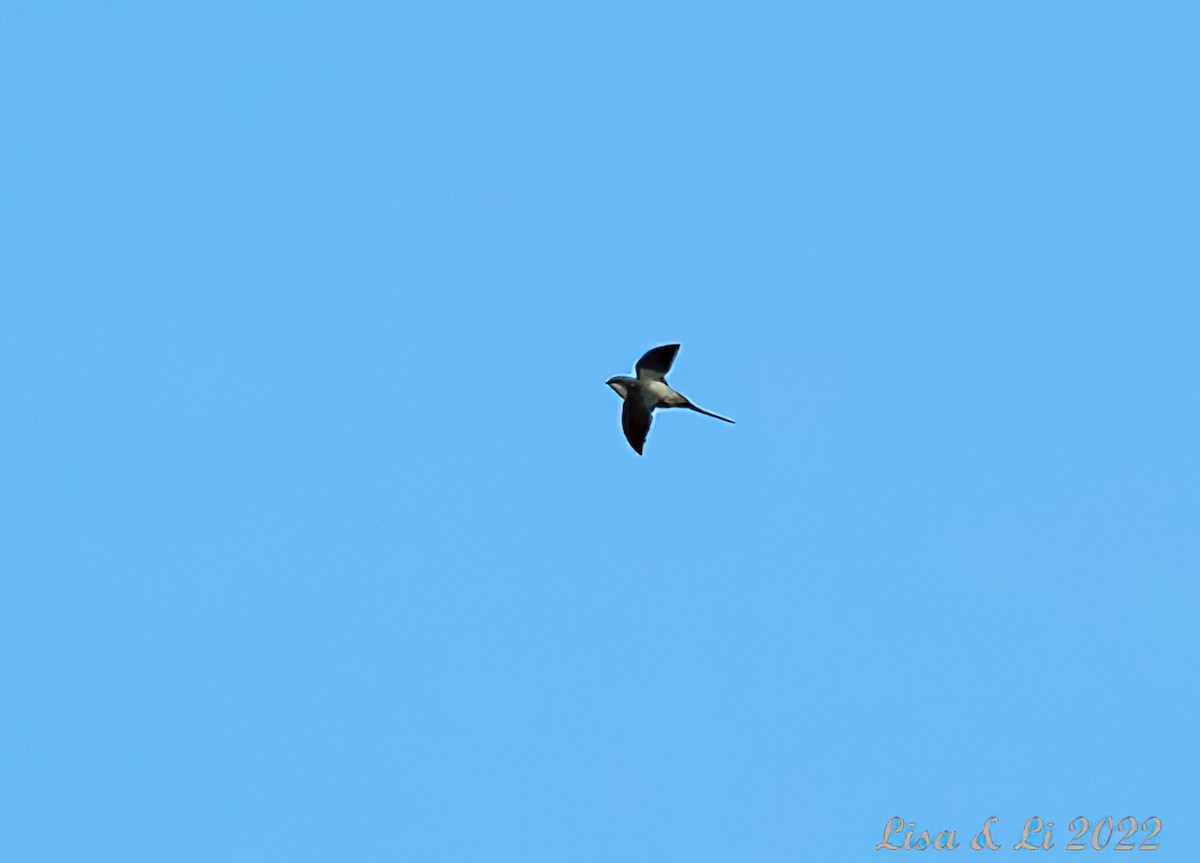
<point>647,391</point>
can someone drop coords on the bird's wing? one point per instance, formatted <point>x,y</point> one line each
<point>635,420</point>
<point>656,362</point>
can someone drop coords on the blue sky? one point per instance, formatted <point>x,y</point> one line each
<point>320,537</point>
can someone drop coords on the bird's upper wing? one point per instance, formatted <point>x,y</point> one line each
<point>635,420</point>
<point>656,362</point>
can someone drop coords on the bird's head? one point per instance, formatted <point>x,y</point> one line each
<point>620,385</point>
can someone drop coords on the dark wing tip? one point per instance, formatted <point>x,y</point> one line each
<point>635,422</point>
<point>657,361</point>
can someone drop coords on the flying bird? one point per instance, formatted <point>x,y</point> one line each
<point>647,391</point>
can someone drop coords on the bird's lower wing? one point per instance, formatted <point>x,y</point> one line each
<point>635,421</point>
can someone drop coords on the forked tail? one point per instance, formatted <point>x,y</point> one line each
<point>708,413</point>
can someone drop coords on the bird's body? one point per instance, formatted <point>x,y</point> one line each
<point>647,391</point>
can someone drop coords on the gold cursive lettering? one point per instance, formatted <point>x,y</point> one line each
<point>983,839</point>
<point>945,841</point>
<point>887,834</point>
<point>1031,830</point>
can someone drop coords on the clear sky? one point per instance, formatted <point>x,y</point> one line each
<point>321,541</point>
